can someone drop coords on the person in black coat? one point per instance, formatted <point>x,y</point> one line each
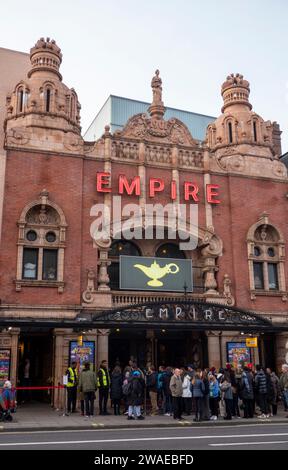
<point>135,396</point>
<point>247,392</point>
<point>116,389</point>
<point>168,409</point>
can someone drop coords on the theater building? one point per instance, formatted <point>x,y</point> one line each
<point>60,282</point>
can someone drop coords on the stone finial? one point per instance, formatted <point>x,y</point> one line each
<point>157,108</point>
<point>45,55</point>
<point>107,131</point>
<point>235,90</point>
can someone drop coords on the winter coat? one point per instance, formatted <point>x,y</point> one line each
<point>198,389</point>
<point>226,389</point>
<point>166,383</point>
<point>261,383</point>
<point>176,386</point>
<point>135,396</point>
<point>284,381</point>
<point>152,382</point>
<point>160,381</point>
<point>186,391</point>
<point>116,386</point>
<point>246,386</point>
<point>214,389</point>
<point>275,389</point>
<point>87,381</point>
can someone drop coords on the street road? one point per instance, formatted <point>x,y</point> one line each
<point>258,437</point>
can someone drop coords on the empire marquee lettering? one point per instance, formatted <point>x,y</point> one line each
<point>180,314</point>
<point>156,186</point>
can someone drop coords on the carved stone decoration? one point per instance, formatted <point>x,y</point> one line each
<point>142,127</point>
<point>103,332</point>
<point>210,253</point>
<point>214,248</point>
<point>103,278</point>
<point>279,169</point>
<point>88,294</point>
<point>103,243</point>
<point>73,142</point>
<point>18,136</point>
<point>227,290</point>
<point>231,162</point>
<point>42,214</point>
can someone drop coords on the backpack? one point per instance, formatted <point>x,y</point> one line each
<point>126,388</point>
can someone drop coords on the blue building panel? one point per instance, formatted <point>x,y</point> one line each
<point>117,110</point>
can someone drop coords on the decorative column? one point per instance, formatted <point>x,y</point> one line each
<point>100,297</point>
<point>59,367</point>
<point>103,278</point>
<point>214,350</point>
<point>15,332</point>
<point>102,346</point>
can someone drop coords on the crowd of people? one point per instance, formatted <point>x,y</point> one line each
<point>207,394</point>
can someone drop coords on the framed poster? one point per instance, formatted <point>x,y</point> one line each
<point>238,354</point>
<point>5,359</point>
<point>81,354</point>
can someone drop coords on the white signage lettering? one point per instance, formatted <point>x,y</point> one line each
<point>220,315</point>
<point>149,313</point>
<point>208,314</point>
<point>165,311</point>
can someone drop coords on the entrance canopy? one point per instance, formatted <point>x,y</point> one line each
<point>185,314</point>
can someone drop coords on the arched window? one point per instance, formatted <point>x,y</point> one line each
<point>119,248</point>
<point>47,100</point>
<point>230,133</point>
<point>170,250</point>
<point>266,252</point>
<point>21,100</point>
<point>255,131</point>
<point>41,244</point>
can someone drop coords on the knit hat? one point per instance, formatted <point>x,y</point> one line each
<point>7,384</point>
<point>136,373</point>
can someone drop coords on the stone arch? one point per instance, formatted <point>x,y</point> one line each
<point>209,244</point>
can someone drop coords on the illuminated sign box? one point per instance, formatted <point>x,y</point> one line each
<point>251,342</point>
<point>156,274</point>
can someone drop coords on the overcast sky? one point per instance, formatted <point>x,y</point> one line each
<point>114,47</point>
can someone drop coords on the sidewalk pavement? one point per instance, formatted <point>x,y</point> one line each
<point>41,417</point>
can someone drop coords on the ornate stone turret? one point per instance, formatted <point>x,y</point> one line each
<point>240,140</point>
<point>235,91</point>
<point>157,109</point>
<point>42,101</point>
<point>45,56</point>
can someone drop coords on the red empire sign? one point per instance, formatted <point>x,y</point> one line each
<point>156,186</point>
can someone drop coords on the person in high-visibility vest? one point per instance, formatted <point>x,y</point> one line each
<point>72,384</point>
<point>103,384</point>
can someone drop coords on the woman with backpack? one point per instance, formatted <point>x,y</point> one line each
<point>135,395</point>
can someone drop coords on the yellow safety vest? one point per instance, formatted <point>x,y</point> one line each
<point>105,376</point>
<point>73,377</point>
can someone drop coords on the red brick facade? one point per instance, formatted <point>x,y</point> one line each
<point>45,153</point>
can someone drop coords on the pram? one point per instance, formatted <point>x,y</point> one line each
<point>7,403</point>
